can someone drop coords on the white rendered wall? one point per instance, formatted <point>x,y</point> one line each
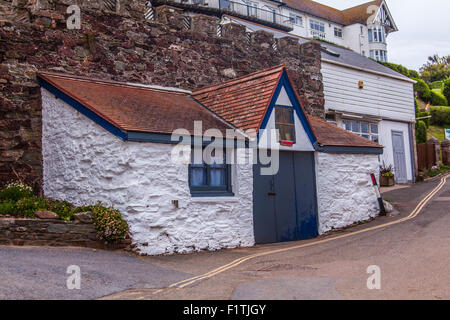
<point>83,163</point>
<point>345,194</point>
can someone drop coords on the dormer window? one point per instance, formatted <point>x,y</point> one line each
<point>285,124</point>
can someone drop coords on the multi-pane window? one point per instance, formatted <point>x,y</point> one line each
<point>296,19</point>
<point>377,35</point>
<point>379,55</point>
<point>252,8</point>
<point>317,25</point>
<point>284,122</point>
<point>368,130</point>
<point>338,32</point>
<point>209,177</point>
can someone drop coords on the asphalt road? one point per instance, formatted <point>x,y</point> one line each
<point>413,258</point>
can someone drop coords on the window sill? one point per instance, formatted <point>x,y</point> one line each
<point>214,199</point>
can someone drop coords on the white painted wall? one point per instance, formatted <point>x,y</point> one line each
<point>302,142</point>
<point>382,96</point>
<point>386,128</point>
<point>83,163</point>
<point>345,193</point>
<point>356,41</point>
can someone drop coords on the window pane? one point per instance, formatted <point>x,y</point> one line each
<point>375,138</point>
<point>366,136</point>
<point>355,126</point>
<point>198,177</point>
<point>283,115</point>
<point>347,125</point>
<point>374,128</point>
<point>217,177</point>
<point>364,127</point>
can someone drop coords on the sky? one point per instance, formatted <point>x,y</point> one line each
<point>424,29</point>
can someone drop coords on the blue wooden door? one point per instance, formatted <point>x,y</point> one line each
<point>285,205</point>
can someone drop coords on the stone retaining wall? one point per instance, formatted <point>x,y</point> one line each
<point>51,232</point>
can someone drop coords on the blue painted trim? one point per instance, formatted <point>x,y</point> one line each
<point>348,150</point>
<point>284,82</point>
<point>83,110</point>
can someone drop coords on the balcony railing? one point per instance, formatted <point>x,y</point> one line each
<point>264,16</point>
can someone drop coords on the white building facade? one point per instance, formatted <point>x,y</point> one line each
<point>363,29</point>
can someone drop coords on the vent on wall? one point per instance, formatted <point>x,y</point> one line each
<point>110,5</point>
<point>187,23</point>
<point>149,13</point>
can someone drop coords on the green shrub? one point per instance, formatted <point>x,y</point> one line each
<point>401,69</point>
<point>15,191</point>
<point>8,207</point>
<point>437,85</point>
<point>28,206</point>
<point>427,120</point>
<point>108,223</point>
<point>421,132</point>
<point>438,99</point>
<point>416,106</point>
<point>446,89</point>
<point>422,89</point>
<point>440,116</point>
<point>63,209</point>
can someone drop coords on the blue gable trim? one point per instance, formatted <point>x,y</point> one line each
<point>284,82</point>
<point>83,110</point>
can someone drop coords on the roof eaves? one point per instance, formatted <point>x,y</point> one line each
<point>399,77</point>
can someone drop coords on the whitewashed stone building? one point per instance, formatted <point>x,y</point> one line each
<point>112,142</point>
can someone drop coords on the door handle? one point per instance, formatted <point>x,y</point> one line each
<point>271,194</point>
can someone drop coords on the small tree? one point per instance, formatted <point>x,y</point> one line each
<point>446,90</point>
<point>422,89</point>
<point>421,132</point>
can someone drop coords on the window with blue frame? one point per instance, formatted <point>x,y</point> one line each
<point>213,179</point>
<point>284,122</point>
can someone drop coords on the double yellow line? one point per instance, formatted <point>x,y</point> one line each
<point>235,263</point>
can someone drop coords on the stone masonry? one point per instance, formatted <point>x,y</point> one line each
<point>51,232</point>
<point>175,49</point>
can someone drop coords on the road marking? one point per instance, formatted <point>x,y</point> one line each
<point>235,263</point>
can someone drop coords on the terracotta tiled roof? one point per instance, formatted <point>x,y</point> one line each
<point>348,16</point>
<point>136,108</point>
<point>317,9</point>
<point>242,102</point>
<point>328,134</point>
<point>359,13</point>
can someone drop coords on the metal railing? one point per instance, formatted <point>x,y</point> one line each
<point>242,10</point>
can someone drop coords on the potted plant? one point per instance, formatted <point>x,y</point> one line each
<point>387,178</point>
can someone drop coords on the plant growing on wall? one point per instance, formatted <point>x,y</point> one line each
<point>18,200</point>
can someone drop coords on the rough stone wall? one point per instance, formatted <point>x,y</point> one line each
<point>123,46</point>
<point>49,232</point>
<point>84,163</point>
<point>345,193</point>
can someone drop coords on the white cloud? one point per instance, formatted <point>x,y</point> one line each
<point>423,29</point>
